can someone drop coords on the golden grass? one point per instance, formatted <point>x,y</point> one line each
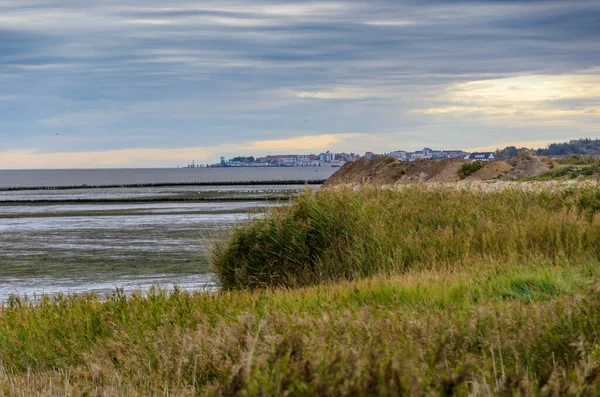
<point>339,234</point>
<point>415,332</point>
<point>475,311</point>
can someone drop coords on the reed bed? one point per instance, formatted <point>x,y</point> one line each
<point>497,328</point>
<point>346,233</point>
<point>421,291</point>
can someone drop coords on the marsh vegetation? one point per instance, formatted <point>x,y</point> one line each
<point>345,233</point>
<point>410,291</point>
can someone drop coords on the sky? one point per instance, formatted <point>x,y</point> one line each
<point>149,83</point>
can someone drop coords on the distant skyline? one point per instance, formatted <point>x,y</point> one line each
<point>148,83</point>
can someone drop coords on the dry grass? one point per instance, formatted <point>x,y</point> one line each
<point>483,329</point>
<point>521,319</point>
<point>347,234</point>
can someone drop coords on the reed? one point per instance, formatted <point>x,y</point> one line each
<point>417,291</point>
<point>331,235</point>
<point>495,328</point>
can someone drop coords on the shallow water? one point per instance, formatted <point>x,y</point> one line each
<point>78,248</point>
<point>145,192</point>
<point>98,177</point>
<point>35,287</point>
<point>135,209</point>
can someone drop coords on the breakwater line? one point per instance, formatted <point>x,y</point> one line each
<point>165,184</point>
<point>143,200</point>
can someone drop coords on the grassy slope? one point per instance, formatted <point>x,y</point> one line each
<point>574,167</point>
<point>418,330</point>
<point>332,235</point>
<point>526,322</point>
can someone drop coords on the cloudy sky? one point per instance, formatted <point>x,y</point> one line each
<point>159,83</point>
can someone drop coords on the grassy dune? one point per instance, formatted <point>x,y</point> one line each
<point>345,234</point>
<point>416,292</point>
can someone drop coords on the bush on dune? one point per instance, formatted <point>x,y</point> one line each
<point>469,168</point>
<point>345,234</point>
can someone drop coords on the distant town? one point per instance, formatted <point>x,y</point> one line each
<point>338,159</point>
<point>574,147</point>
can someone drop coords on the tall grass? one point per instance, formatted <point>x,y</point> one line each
<point>493,329</point>
<point>348,234</point>
<point>471,292</point>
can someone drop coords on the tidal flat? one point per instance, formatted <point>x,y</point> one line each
<point>100,240</point>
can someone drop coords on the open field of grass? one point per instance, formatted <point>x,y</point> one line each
<point>419,291</point>
<point>486,329</point>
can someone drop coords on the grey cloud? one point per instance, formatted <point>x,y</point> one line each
<point>232,66</point>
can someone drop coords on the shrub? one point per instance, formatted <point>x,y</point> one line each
<point>573,172</point>
<point>579,160</point>
<point>399,173</point>
<point>345,234</point>
<point>469,168</point>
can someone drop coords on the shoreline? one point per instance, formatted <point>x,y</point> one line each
<point>165,184</point>
<point>140,200</point>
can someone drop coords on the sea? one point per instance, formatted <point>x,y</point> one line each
<point>102,230</point>
<point>111,177</point>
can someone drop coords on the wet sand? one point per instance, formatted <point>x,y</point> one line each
<point>74,246</point>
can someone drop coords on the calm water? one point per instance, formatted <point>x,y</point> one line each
<point>256,191</point>
<point>69,246</point>
<point>98,177</point>
<point>97,248</point>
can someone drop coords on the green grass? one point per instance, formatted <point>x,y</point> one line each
<point>573,167</point>
<point>480,293</point>
<point>566,172</point>
<point>469,168</point>
<point>345,234</point>
<point>416,332</point>
<point>579,160</point>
